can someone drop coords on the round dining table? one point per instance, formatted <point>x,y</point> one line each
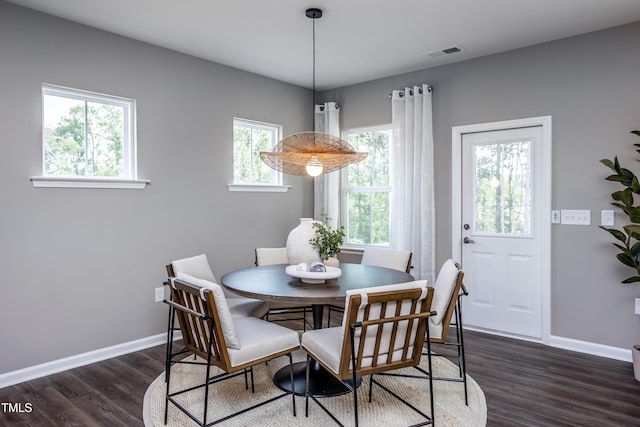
<point>272,284</point>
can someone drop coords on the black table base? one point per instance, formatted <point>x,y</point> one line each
<point>321,382</point>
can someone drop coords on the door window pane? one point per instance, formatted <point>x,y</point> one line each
<point>503,188</point>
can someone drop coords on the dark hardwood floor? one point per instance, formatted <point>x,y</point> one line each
<point>525,384</point>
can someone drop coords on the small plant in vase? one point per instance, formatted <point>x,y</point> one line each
<point>327,241</point>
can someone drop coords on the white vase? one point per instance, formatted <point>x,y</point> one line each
<point>332,262</point>
<point>298,247</point>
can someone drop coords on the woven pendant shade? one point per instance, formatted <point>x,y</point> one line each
<point>311,153</point>
<point>294,153</point>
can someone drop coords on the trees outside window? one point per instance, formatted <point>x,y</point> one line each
<point>249,139</point>
<point>87,134</point>
<point>366,188</point>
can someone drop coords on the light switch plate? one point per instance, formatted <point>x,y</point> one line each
<point>607,218</point>
<point>575,217</point>
<point>637,305</point>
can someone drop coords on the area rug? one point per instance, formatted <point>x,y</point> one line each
<point>230,396</point>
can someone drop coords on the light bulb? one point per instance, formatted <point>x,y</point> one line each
<point>314,167</point>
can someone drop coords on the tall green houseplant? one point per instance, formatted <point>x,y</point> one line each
<point>628,239</point>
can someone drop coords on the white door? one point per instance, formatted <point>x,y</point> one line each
<point>503,231</point>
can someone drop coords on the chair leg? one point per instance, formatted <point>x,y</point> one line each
<point>433,418</point>
<point>167,379</point>
<point>306,394</point>
<point>293,385</point>
<point>170,326</point>
<point>354,372</point>
<point>461,361</point>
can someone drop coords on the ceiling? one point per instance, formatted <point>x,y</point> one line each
<point>356,40</point>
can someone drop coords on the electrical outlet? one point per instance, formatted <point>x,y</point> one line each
<point>637,305</point>
<point>160,294</point>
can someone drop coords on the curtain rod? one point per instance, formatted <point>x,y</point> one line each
<point>429,88</point>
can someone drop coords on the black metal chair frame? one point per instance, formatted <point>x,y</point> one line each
<point>458,344</point>
<point>209,321</point>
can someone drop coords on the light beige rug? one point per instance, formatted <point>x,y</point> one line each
<point>230,396</point>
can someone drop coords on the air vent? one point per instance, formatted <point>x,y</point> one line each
<point>448,51</point>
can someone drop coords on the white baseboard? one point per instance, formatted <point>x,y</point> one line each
<point>587,347</point>
<point>48,368</point>
<point>617,353</point>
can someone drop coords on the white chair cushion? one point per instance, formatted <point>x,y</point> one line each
<point>326,345</point>
<point>271,256</point>
<point>435,331</point>
<point>388,258</point>
<point>226,321</point>
<point>246,307</point>
<point>443,290</point>
<point>196,266</point>
<point>259,338</point>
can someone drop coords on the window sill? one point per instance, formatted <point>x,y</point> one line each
<point>82,182</point>
<point>259,188</point>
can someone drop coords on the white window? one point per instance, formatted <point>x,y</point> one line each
<point>250,173</point>
<point>88,139</point>
<point>366,188</point>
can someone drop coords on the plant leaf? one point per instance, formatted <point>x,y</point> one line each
<point>608,163</point>
<point>616,233</point>
<point>632,279</point>
<point>626,260</point>
<point>632,230</point>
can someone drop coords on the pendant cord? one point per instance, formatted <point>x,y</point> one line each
<point>313,110</point>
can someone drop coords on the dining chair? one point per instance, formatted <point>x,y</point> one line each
<point>384,329</point>
<point>198,267</point>
<point>234,346</point>
<point>290,311</point>
<point>379,257</point>
<point>388,258</point>
<point>448,292</point>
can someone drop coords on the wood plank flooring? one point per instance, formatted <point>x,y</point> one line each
<point>525,384</point>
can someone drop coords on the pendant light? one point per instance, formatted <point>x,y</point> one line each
<point>311,153</point>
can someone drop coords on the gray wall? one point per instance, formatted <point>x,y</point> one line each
<point>79,266</point>
<point>591,86</point>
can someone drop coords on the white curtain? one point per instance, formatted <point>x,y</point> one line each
<point>412,216</point>
<point>326,194</point>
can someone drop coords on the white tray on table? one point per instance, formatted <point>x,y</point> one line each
<point>314,277</point>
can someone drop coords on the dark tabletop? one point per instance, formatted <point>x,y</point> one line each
<point>271,283</point>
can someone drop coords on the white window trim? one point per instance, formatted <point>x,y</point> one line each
<point>259,188</point>
<point>353,248</point>
<point>88,182</point>
<point>274,187</point>
<point>130,181</point>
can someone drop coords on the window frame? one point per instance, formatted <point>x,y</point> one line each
<point>129,178</point>
<point>345,189</point>
<point>276,183</point>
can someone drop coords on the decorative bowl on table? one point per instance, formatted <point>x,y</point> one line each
<point>313,277</point>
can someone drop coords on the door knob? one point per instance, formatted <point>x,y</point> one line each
<point>468,240</point>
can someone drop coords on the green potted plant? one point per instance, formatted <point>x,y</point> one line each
<point>327,241</point>
<point>628,239</point>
